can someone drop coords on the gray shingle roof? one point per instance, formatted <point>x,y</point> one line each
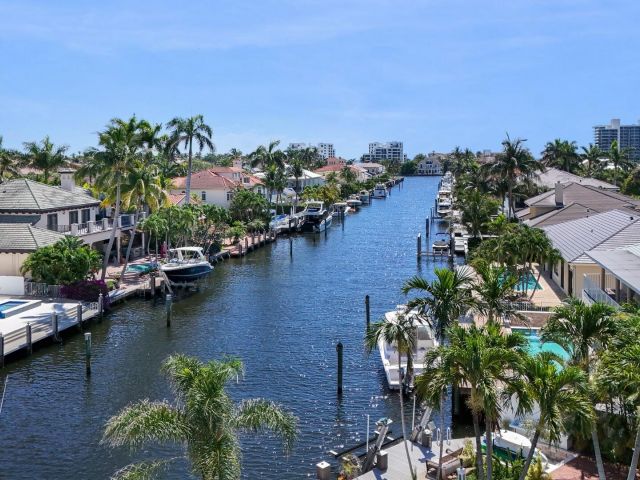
<point>585,195</point>
<point>23,195</point>
<point>22,237</point>
<point>551,176</point>
<point>566,214</point>
<point>576,237</point>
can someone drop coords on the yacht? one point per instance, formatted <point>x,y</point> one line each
<point>389,354</point>
<point>365,197</point>
<point>380,191</point>
<point>186,264</point>
<point>317,217</point>
<point>440,247</point>
<point>354,202</point>
<point>444,206</point>
<point>340,208</point>
<point>460,239</point>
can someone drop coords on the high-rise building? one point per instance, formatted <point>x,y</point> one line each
<point>325,150</point>
<point>393,151</point>
<point>627,136</point>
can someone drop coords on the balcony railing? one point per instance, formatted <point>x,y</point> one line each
<point>125,221</point>
<point>592,293</point>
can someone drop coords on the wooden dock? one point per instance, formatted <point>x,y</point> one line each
<point>251,243</point>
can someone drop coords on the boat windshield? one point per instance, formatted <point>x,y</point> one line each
<point>186,256</point>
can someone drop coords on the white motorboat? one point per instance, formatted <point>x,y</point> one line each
<point>340,208</point>
<point>365,197</point>
<point>380,191</point>
<point>444,206</point>
<point>460,239</point>
<point>354,202</point>
<point>317,218</point>
<point>391,362</point>
<point>515,444</point>
<point>186,264</point>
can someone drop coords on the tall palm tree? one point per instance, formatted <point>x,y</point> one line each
<point>188,131</point>
<point>8,162</point>
<point>45,156</point>
<point>347,175</point>
<point>204,419</point>
<point>297,170</point>
<point>448,297</point>
<point>619,158</point>
<point>141,188</point>
<point>559,393</point>
<point>562,154</point>
<point>400,333</point>
<point>495,290</point>
<point>581,329</point>
<point>266,156</point>
<point>591,156</point>
<point>275,181</point>
<point>477,209</point>
<point>122,143</point>
<point>514,162</point>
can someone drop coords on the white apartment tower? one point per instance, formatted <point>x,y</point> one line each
<point>393,151</point>
<point>325,150</point>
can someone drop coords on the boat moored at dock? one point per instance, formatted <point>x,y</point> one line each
<point>380,191</point>
<point>354,202</point>
<point>365,197</point>
<point>186,265</point>
<point>317,218</point>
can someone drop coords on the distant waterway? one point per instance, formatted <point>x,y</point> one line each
<point>282,316</point>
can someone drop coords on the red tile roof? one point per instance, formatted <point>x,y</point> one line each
<point>206,180</point>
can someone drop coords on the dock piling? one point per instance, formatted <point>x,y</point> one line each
<point>1,351</point>
<point>152,284</point>
<point>367,309</point>
<point>79,315</point>
<point>54,326</point>
<point>29,340</point>
<point>100,305</point>
<point>290,247</point>
<point>339,349</point>
<point>168,304</point>
<point>87,353</point>
<point>419,244</point>
<point>426,228</point>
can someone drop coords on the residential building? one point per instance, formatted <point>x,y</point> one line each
<point>360,173</point>
<point>577,239</point>
<point>392,151</point>
<point>619,277</point>
<point>571,201</point>
<point>551,176</point>
<point>627,136</point>
<point>18,240</point>
<point>209,187</point>
<point>38,208</point>
<point>372,168</point>
<point>431,165</point>
<point>325,150</point>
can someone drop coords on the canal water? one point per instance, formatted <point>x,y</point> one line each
<point>282,316</point>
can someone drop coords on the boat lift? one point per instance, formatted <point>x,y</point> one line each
<point>382,428</point>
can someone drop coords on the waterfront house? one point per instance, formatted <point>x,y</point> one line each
<point>551,176</point>
<point>209,187</point>
<point>576,240</point>
<point>572,201</point>
<point>65,210</point>
<point>372,168</point>
<point>431,164</point>
<point>360,173</point>
<point>18,240</point>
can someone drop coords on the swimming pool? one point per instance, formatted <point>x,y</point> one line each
<point>536,345</point>
<point>527,282</point>
<point>10,307</point>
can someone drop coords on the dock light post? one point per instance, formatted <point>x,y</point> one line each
<point>339,349</point>
<point>168,304</point>
<point>87,352</point>
<point>367,309</point>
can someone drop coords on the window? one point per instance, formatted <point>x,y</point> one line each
<point>86,215</point>
<point>52,221</point>
<point>203,196</point>
<point>229,196</point>
<point>73,217</point>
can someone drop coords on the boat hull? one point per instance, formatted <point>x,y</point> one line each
<point>187,273</point>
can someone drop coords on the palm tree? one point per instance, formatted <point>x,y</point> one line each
<point>275,181</point>
<point>267,156</point>
<point>297,170</point>
<point>495,290</point>
<point>561,154</point>
<point>187,131</point>
<point>8,162</point>
<point>477,209</point>
<point>591,156</point>
<point>141,188</point>
<point>620,160</point>
<point>447,297</point>
<point>559,393</point>
<point>513,163</point>
<point>347,175</point>
<point>45,156</point>
<point>400,333</point>
<point>122,142</point>
<point>581,329</point>
<point>204,419</point>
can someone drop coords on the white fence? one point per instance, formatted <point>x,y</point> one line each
<point>592,293</point>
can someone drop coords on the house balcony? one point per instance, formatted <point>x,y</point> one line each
<point>125,222</point>
<point>601,289</point>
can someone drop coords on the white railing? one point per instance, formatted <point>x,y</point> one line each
<point>77,229</point>
<point>596,280</point>
<point>532,307</point>
<point>592,293</point>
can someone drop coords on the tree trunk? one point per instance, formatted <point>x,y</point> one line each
<point>131,238</point>
<point>112,237</point>
<point>402,422</point>
<point>527,463</point>
<point>476,431</point>
<point>596,450</point>
<point>634,458</point>
<point>510,207</point>
<point>441,430</point>
<point>187,199</point>
<point>489,438</point>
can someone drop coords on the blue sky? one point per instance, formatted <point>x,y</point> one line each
<point>434,74</point>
